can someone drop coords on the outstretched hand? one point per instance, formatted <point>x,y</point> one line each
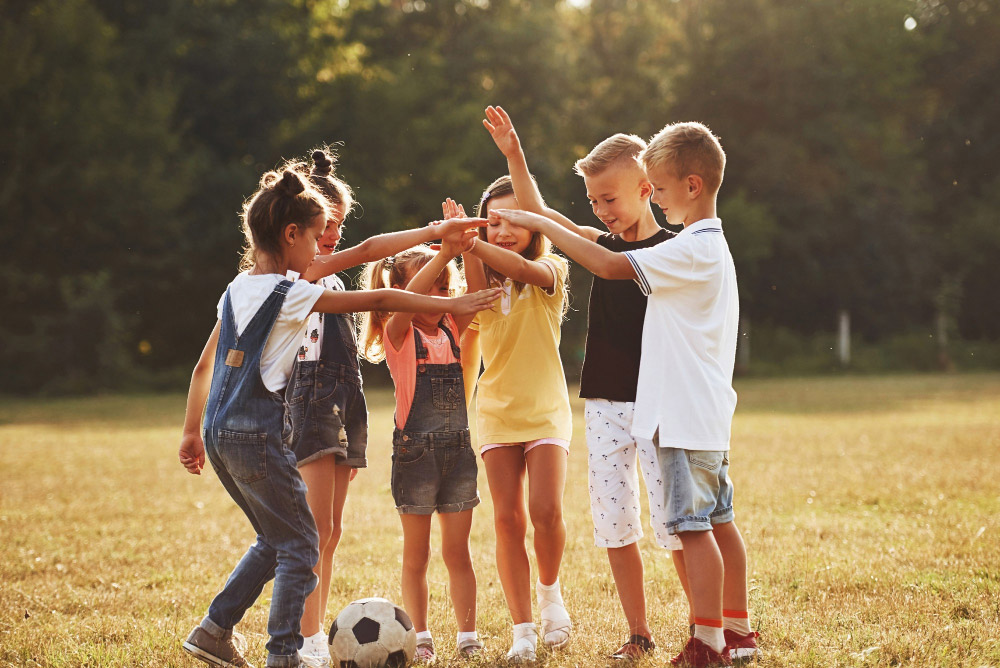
<point>525,219</point>
<point>474,302</point>
<point>455,242</point>
<point>502,130</point>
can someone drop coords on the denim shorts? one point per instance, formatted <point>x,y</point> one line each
<point>697,488</point>
<point>328,414</point>
<point>433,471</point>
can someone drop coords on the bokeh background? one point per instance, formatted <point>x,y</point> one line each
<point>862,138</point>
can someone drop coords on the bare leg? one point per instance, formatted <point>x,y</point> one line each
<point>677,556</point>
<point>455,529</point>
<point>626,568</point>
<point>546,481</point>
<point>320,483</point>
<point>342,477</point>
<point>734,558</point>
<point>703,564</point>
<point>505,469</point>
<point>416,555</point>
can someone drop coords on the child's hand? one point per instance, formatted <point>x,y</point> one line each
<point>456,243</point>
<point>453,226</point>
<point>452,209</point>
<point>502,130</point>
<point>525,219</point>
<point>192,453</point>
<point>475,302</point>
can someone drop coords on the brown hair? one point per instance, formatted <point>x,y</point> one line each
<point>395,270</point>
<point>283,198</point>
<point>617,150</point>
<point>322,174</point>
<point>687,148</point>
<point>537,247</point>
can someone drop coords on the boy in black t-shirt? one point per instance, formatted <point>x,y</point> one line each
<point>619,194</point>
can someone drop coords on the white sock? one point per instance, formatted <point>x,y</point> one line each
<point>466,635</point>
<point>739,622</point>
<point>525,630</point>
<point>424,635</point>
<point>548,594</point>
<point>711,636</point>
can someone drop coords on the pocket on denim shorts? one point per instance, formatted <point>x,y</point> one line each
<point>448,393</point>
<point>244,455</point>
<point>707,460</point>
<point>409,454</point>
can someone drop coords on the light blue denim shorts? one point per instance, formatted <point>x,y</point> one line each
<point>697,488</point>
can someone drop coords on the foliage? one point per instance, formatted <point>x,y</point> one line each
<point>859,133</point>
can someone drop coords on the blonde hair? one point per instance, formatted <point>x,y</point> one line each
<point>617,150</point>
<point>537,247</point>
<point>396,270</point>
<point>284,197</point>
<point>687,148</point>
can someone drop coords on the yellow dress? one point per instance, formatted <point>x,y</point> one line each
<point>522,394</point>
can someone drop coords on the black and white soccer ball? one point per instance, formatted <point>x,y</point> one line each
<point>372,633</point>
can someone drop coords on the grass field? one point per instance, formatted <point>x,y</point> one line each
<point>870,506</point>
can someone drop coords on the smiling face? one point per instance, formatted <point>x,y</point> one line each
<point>333,232</point>
<point>502,233</point>
<point>618,196</point>
<point>671,193</point>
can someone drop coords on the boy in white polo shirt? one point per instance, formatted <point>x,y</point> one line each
<point>684,399</point>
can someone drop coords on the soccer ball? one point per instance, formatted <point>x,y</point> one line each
<point>372,633</point>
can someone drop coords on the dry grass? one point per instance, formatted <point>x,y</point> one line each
<point>870,507</point>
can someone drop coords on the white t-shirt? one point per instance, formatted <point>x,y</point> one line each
<point>312,340</point>
<point>689,335</point>
<point>248,293</point>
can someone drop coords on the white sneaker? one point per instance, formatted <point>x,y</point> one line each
<point>556,624</point>
<point>314,660</point>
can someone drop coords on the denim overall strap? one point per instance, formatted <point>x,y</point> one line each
<point>340,342</point>
<point>239,400</point>
<point>439,393</point>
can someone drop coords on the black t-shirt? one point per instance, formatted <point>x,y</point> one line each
<point>614,329</point>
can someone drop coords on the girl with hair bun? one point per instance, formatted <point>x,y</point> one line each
<point>237,392</point>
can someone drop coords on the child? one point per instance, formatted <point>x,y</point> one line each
<point>433,464</point>
<point>261,320</point>
<point>324,396</point>
<point>524,421</point>
<point>619,195</point>
<point>684,399</point>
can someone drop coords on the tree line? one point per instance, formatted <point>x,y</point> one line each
<point>860,134</point>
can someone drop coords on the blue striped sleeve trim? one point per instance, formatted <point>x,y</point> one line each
<point>640,278</point>
<point>707,229</point>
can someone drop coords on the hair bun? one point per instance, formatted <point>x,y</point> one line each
<point>290,183</point>
<point>322,163</point>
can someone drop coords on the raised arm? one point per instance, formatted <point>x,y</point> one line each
<point>595,258</point>
<point>192,450</point>
<point>369,250</point>
<point>529,198</point>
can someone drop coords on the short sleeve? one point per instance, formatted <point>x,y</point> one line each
<point>300,300</point>
<point>664,266</point>
<point>474,325</point>
<point>560,269</point>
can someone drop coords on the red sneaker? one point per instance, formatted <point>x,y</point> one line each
<point>742,648</point>
<point>697,654</point>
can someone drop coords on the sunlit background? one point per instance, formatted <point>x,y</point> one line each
<point>860,199</point>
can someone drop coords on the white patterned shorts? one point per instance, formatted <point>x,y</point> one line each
<point>615,460</point>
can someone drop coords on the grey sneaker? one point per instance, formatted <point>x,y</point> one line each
<point>226,651</point>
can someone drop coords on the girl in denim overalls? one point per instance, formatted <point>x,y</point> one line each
<point>433,464</point>
<point>325,397</point>
<point>237,386</point>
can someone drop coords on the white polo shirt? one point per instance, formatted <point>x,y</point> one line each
<point>689,335</point>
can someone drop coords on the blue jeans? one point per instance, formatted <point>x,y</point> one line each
<point>264,483</point>
<point>697,488</point>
